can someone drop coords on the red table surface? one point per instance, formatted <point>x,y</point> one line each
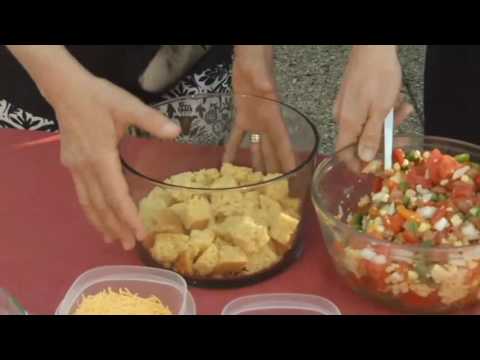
<point>46,242</point>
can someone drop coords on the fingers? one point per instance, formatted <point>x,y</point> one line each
<point>152,120</point>
<point>90,212</point>
<point>257,158</point>
<point>350,117</point>
<point>116,229</point>
<point>403,112</point>
<point>117,195</point>
<point>103,194</point>
<point>350,123</point>
<point>233,144</point>
<point>372,135</point>
<point>271,163</point>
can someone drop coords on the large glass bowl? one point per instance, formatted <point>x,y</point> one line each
<point>336,190</point>
<point>206,122</point>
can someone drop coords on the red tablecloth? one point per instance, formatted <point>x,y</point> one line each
<point>46,243</point>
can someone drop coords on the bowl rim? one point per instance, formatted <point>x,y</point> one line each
<point>311,157</point>
<point>316,197</point>
<point>104,273</point>
<point>289,301</point>
<point>7,295</point>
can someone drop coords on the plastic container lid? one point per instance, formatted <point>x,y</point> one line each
<point>281,304</point>
<point>9,305</point>
<point>168,286</point>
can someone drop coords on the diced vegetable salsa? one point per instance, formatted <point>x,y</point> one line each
<point>431,200</point>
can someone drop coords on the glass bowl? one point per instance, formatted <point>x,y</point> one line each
<point>337,187</point>
<point>206,122</point>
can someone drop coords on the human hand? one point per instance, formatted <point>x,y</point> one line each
<point>253,75</point>
<point>370,89</point>
<point>93,116</point>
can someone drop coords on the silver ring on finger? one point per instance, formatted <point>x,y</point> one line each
<point>255,138</point>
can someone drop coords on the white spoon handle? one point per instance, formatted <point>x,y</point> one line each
<point>388,137</point>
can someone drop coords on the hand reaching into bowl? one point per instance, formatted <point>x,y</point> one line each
<point>253,74</point>
<point>370,88</point>
<point>93,116</point>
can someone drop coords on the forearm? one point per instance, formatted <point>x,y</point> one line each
<point>378,51</point>
<point>256,63</point>
<point>51,67</point>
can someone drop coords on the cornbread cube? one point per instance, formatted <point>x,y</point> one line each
<point>168,247</point>
<point>207,262</point>
<point>194,213</point>
<point>224,182</point>
<point>160,194</point>
<point>253,178</point>
<point>205,177</point>
<point>291,206</point>
<point>243,232</point>
<point>272,207</point>
<point>251,200</point>
<point>184,179</point>
<point>281,249</point>
<point>260,216</point>
<point>227,203</point>
<point>184,263</point>
<point>263,259</point>
<point>276,190</point>
<point>239,173</point>
<point>200,240</point>
<point>231,260</point>
<point>167,221</point>
<point>151,206</point>
<point>283,227</point>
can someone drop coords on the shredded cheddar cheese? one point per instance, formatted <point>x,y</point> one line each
<point>123,302</point>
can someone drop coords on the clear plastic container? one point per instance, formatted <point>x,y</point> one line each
<point>281,304</point>
<point>168,286</point>
<point>9,305</point>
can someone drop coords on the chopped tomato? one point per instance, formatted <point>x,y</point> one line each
<point>474,276</point>
<point>464,204</point>
<point>462,190</point>
<point>399,155</point>
<point>441,166</point>
<point>410,237</point>
<point>377,184</point>
<point>416,176</point>
<point>447,167</point>
<point>416,301</point>
<point>435,156</point>
<point>376,275</point>
<point>477,181</point>
<point>441,212</point>
<point>382,250</point>
<point>392,185</point>
<point>439,190</point>
<point>395,223</point>
<point>439,236</point>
